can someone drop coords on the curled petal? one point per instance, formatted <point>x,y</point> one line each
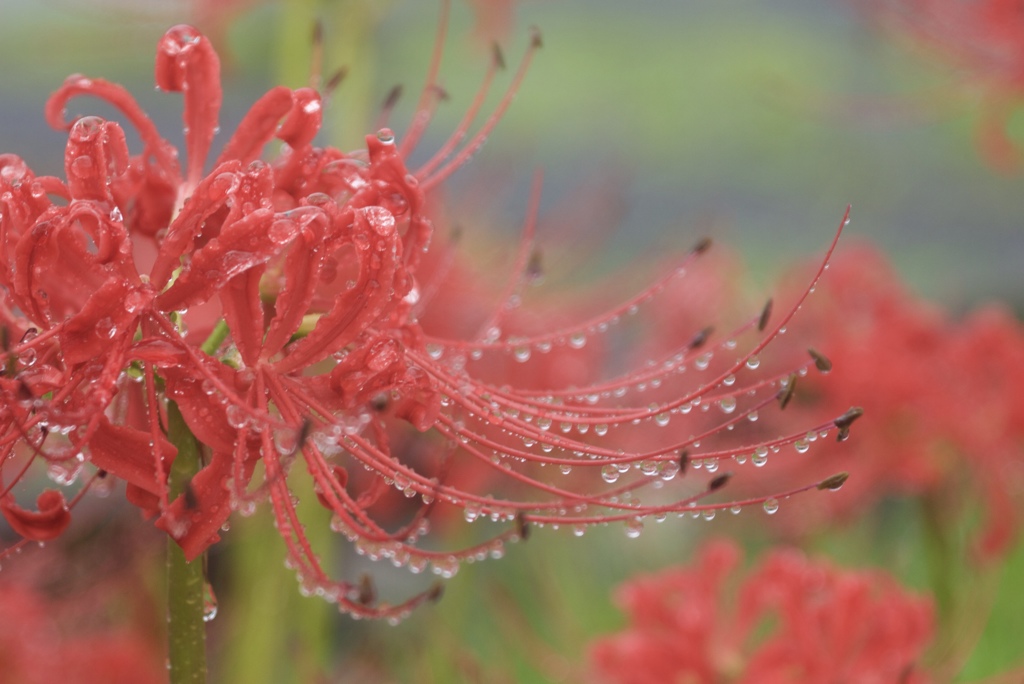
<point>186,62</point>
<point>208,198</point>
<point>127,453</point>
<point>109,312</point>
<point>159,157</point>
<point>80,242</point>
<point>241,246</point>
<point>378,247</point>
<point>302,269</point>
<point>258,126</point>
<point>96,153</point>
<point>303,121</point>
<point>48,522</point>
<point>195,517</point>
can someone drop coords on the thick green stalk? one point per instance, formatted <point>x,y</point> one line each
<point>186,629</point>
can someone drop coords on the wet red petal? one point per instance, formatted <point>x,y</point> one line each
<point>88,334</point>
<point>186,62</point>
<point>127,453</point>
<point>48,522</point>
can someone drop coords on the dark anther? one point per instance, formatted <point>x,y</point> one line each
<point>456,233</point>
<point>318,32</point>
<point>702,246</point>
<point>305,430</point>
<point>436,592</point>
<point>5,338</point>
<point>700,338</point>
<point>29,334</point>
<point>379,402</point>
<point>44,431</point>
<point>441,93</point>
<point>835,482</point>
<point>191,500</point>
<point>766,313</point>
<point>684,461</point>
<point>335,80</point>
<point>535,37</point>
<point>846,420</point>
<point>718,482</point>
<point>522,528</point>
<point>786,393</point>
<point>497,56</point>
<point>101,474</point>
<point>821,361</point>
<point>23,392</point>
<point>367,591</point>
<point>392,99</point>
<point>534,268</point>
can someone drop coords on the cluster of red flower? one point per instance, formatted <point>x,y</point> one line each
<point>791,620</point>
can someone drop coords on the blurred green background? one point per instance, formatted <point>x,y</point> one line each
<point>756,121</point>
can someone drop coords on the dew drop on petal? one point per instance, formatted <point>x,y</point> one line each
<point>634,528</point>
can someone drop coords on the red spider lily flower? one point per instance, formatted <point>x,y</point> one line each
<point>986,368</point>
<point>277,304</point>
<point>941,395</point>
<point>983,39</point>
<point>789,619</point>
<point>82,612</point>
<point>34,651</point>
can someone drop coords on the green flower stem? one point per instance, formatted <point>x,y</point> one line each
<point>186,629</point>
<point>216,337</point>
<point>940,552</point>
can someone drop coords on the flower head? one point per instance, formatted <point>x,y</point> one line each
<point>790,620</point>
<point>278,303</point>
<point>940,393</point>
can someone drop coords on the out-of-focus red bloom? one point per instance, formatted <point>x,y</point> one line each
<point>985,372</point>
<point>789,620</point>
<point>34,651</point>
<point>941,397</point>
<point>81,613</point>
<point>494,18</point>
<point>984,39</point>
<point>278,304</point>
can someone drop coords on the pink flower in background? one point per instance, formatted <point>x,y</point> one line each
<point>789,619</point>
<point>278,305</point>
<point>941,397</point>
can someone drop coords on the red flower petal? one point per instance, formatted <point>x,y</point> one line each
<point>126,453</point>
<point>47,523</point>
<point>186,62</point>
